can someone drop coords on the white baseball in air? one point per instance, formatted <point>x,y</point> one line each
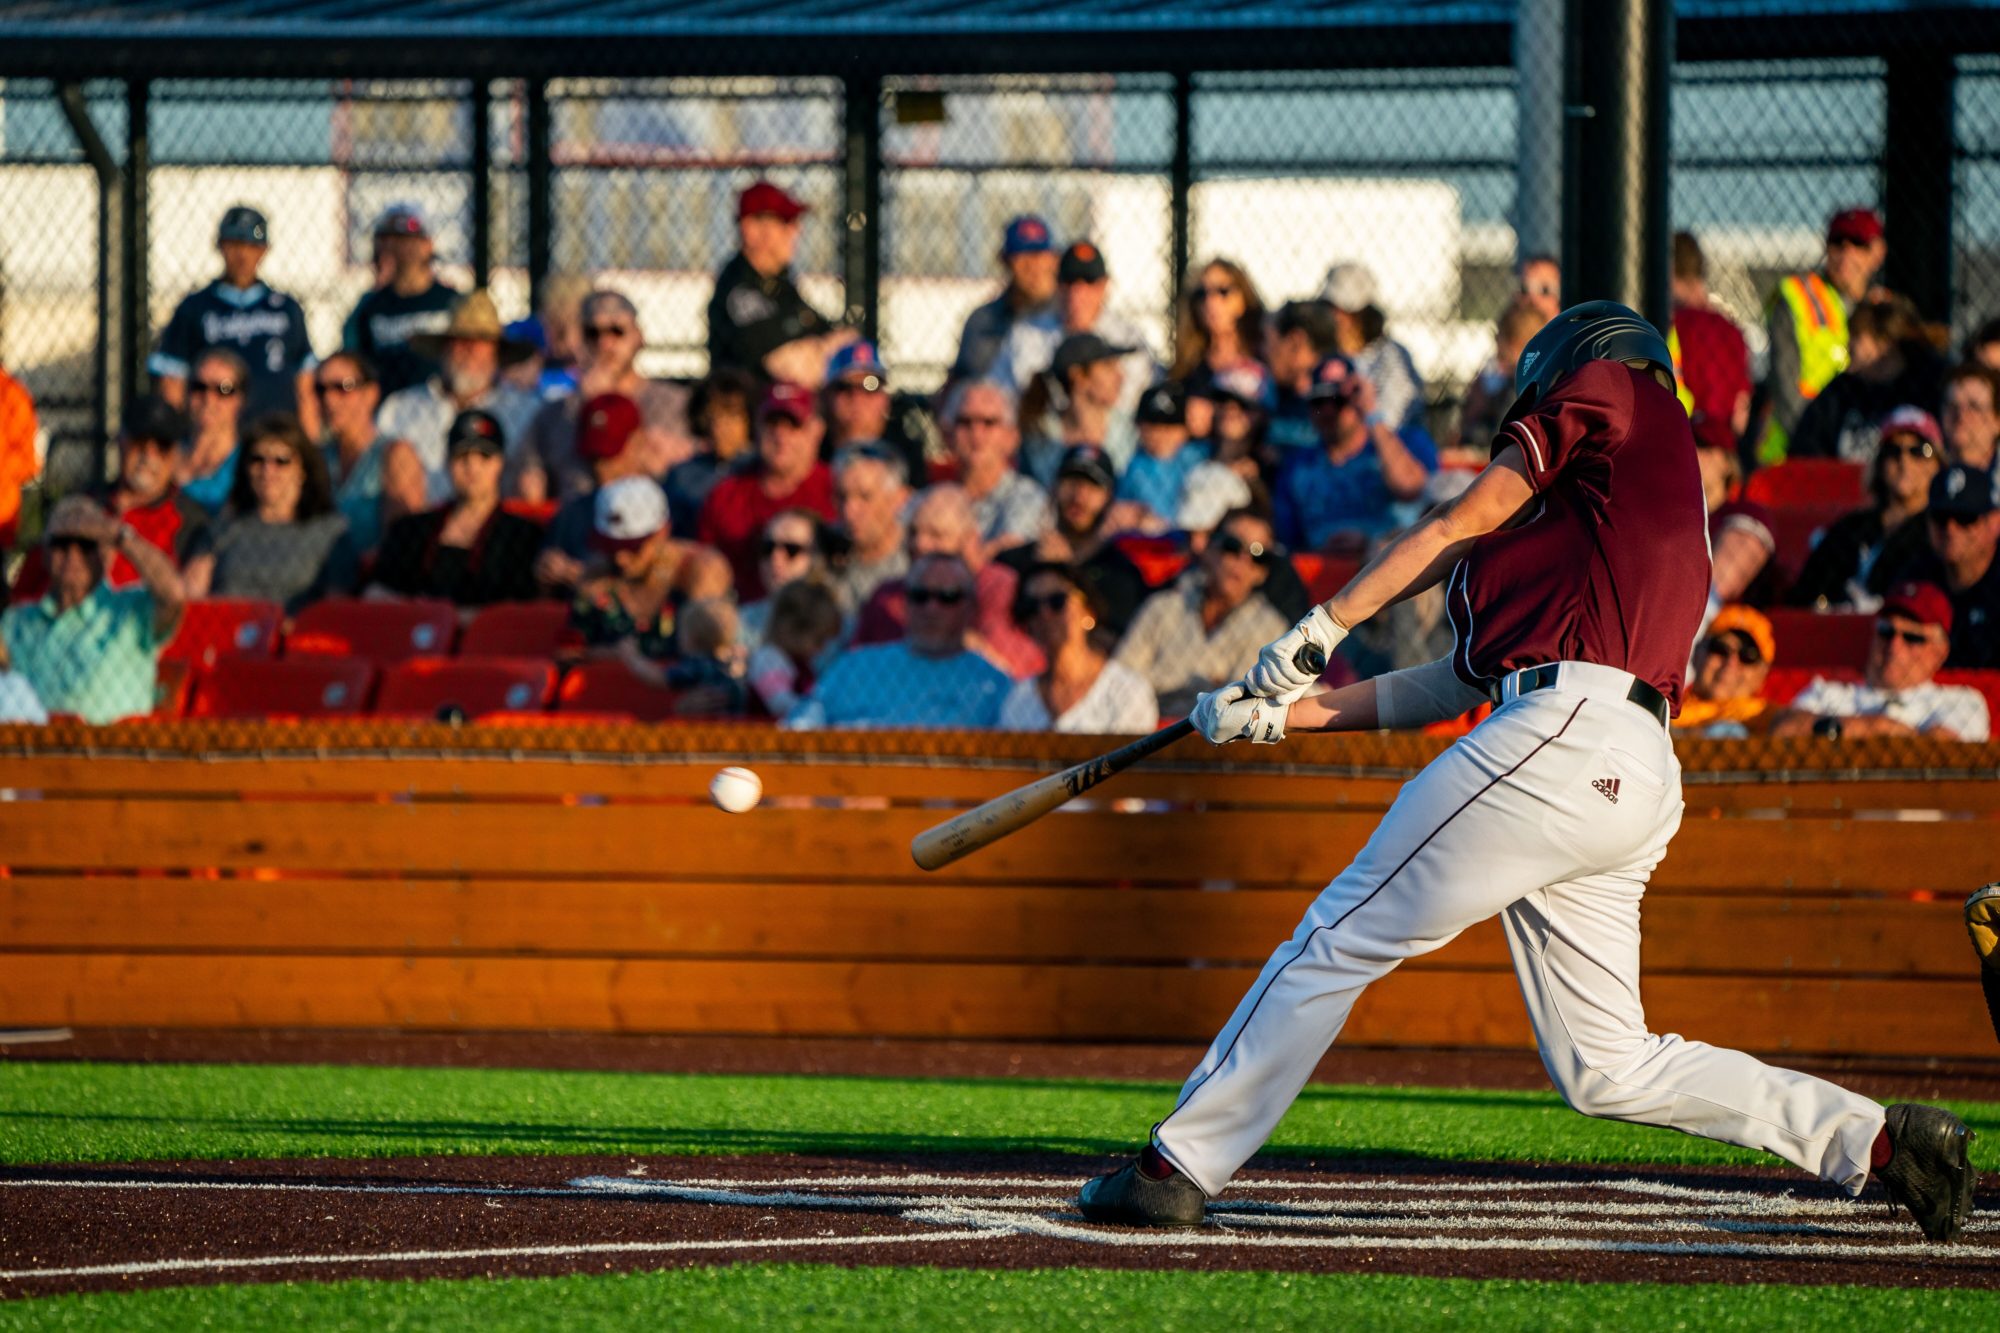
<point>736,790</point>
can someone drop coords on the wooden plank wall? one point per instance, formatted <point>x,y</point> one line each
<point>173,885</point>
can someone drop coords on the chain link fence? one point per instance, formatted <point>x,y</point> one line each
<point>1205,223</point>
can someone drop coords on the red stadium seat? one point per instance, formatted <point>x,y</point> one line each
<point>516,629</point>
<point>1809,482</point>
<point>383,632</point>
<point>608,686</point>
<point>427,686</point>
<point>170,689</point>
<point>1783,683</point>
<point>1160,560</point>
<point>1793,527</point>
<point>225,627</point>
<point>292,687</point>
<point>1813,639</point>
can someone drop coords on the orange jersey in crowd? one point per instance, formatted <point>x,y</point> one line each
<point>17,452</point>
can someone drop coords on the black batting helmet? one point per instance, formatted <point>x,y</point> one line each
<point>1593,331</point>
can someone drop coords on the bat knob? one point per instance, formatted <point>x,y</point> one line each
<point>1310,658</point>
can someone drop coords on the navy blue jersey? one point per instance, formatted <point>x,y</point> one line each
<point>264,327</point>
<point>383,323</point>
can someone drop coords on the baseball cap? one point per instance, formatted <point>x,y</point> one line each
<point>403,219</point>
<point>474,429</point>
<point>1082,262</point>
<point>1090,462</point>
<point>243,223</point>
<point>605,426</point>
<point>1081,349</point>
<point>1924,603</point>
<point>153,418</point>
<point>860,360</point>
<point>1028,234</point>
<point>1348,287</point>
<point>1246,383</point>
<point>1963,492</point>
<point>1333,377</point>
<point>1860,225</point>
<point>764,197</point>
<point>1165,404</point>
<point>1907,420</point>
<point>628,511</point>
<point>1749,622</point>
<point>786,400</point>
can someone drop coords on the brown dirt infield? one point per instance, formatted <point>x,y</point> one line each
<point>123,1227</point>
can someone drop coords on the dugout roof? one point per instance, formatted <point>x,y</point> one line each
<point>579,38</point>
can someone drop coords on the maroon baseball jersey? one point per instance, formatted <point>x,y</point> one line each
<point>1611,565</point>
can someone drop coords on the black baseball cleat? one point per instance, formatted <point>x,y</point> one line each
<point>1929,1171</point>
<point>1130,1197</point>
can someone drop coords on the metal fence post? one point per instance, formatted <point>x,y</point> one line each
<point>481,130</point>
<point>106,397</point>
<point>1180,187</point>
<point>861,200</point>
<point>136,320</point>
<point>1918,178</point>
<point>1615,167</point>
<point>541,222</point>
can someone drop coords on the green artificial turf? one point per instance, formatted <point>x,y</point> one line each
<point>77,1112</point>
<point>766,1297</point>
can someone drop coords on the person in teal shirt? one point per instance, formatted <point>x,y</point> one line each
<point>89,649</point>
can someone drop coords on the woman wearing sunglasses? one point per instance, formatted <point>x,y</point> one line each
<point>206,468</point>
<point>1082,690</point>
<point>1724,698</point>
<point>793,547</point>
<point>1221,326</point>
<point>281,538</point>
<point>1855,558</point>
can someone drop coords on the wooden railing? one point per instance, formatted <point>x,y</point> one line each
<point>371,875</point>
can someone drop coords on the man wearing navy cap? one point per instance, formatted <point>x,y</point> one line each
<point>411,304</point>
<point>758,320</point>
<point>1028,253</point>
<point>240,314</point>
<point>1964,523</point>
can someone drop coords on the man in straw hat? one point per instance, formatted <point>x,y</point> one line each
<point>88,648</point>
<point>470,350</point>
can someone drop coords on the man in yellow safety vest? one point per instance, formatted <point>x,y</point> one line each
<point>1807,323</point>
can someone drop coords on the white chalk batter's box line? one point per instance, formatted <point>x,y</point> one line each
<point>1578,1225</point>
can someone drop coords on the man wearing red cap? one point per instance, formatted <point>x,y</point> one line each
<point>788,475</point>
<point>1807,322</point>
<point>757,320</point>
<point>1898,696</point>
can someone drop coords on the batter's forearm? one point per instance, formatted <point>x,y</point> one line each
<point>1349,708</point>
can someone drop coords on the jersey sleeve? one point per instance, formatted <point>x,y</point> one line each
<point>1589,413</point>
<point>174,354</point>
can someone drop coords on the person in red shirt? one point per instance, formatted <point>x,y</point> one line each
<point>1712,361</point>
<point>788,475</point>
<point>1576,574</point>
<point>144,497</point>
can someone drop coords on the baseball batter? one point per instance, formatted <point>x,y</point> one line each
<point>1576,569</point>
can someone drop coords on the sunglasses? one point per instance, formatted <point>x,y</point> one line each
<point>1026,608</point>
<point>942,596</point>
<point>1921,449</point>
<point>594,332</point>
<point>1231,544</point>
<point>338,388</point>
<point>1723,645</point>
<point>72,544</point>
<point>1939,520</point>
<point>1914,638</point>
<point>1215,293</point>
<point>220,388</point>
<point>272,460</point>
<point>770,546</point>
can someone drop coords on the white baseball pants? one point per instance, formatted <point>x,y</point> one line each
<point>1553,813</point>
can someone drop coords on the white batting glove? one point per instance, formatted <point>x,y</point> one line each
<point>1232,713</point>
<point>1278,673</point>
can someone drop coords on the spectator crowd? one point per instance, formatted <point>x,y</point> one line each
<point>1071,534</point>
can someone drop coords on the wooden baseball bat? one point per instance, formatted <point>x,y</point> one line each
<point>964,834</point>
<point>961,835</point>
